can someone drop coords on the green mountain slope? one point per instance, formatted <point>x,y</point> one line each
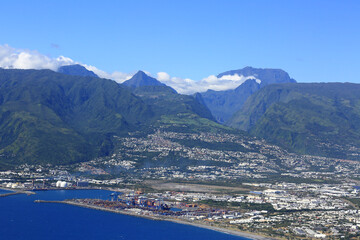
<point>313,118</point>
<point>166,101</point>
<point>163,99</point>
<point>47,117</point>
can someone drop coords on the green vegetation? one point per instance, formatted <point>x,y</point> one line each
<point>320,119</point>
<point>166,101</point>
<point>221,146</point>
<point>249,206</point>
<point>163,99</point>
<point>186,122</point>
<point>47,117</point>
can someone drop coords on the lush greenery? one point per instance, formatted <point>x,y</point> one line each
<point>48,117</point>
<point>244,205</point>
<point>189,123</point>
<point>163,99</point>
<point>220,146</point>
<point>166,101</point>
<point>55,118</point>
<point>313,118</point>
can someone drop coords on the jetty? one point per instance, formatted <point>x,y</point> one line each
<point>17,192</point>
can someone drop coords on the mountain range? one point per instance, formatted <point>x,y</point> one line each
<point>72,115</point>
<point>52,117</point>
<point>164,99</point>
<point>223,104</point>
<point>49,117</point>
<point>308,118</point>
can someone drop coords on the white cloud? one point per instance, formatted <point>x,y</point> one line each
<point>189,86</point>
<point>29,59</point>
<point>117,76</point>
<point>163,76</point>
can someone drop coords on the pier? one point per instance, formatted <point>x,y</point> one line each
<point>15,193</point>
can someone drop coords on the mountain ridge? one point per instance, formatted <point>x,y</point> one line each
<point>141,79</point>
<point>223,104</point>
<point>50,117</point>
<point>163,99</point>
<point>76,70</point>
<point>77,115</point>
<point>307,118</point>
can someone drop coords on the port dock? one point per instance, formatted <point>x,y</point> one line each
<point>15,193</point>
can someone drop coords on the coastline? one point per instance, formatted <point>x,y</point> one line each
<point>223,230</point>
<point>161,218</point>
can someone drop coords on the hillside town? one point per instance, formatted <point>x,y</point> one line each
<point>275,210</point>
<point>203,156</point>
<point>248,186</point>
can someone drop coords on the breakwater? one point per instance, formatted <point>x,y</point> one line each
<point>15,193</point>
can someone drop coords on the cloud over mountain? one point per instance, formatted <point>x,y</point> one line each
<point>29,59</point>
<point>189,86</point>
<point>119,77</point>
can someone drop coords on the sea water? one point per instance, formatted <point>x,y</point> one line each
<point>2,191</point>
<point>21,218</point>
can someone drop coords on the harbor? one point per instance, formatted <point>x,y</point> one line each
<point>137,205</point>
<point>66,221</point>
<point>104,205</point>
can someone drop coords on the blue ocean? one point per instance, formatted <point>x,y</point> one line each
<point>21,218</point>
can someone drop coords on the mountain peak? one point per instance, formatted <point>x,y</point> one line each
<point>76,70</point>
<point>266,75</point>
<point>223,104</point>
<point>141,73</point>
<point>141,79</point>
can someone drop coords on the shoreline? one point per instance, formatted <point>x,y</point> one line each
<point>223,230</point>
<point>169,219</point>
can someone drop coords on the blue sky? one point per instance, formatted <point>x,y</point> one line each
<point>312,40</point>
